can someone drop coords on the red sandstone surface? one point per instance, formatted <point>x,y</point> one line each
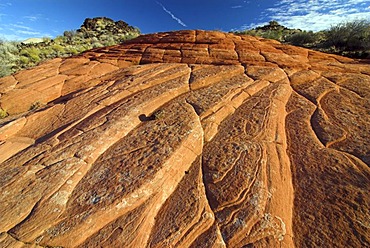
<point>187,139</point>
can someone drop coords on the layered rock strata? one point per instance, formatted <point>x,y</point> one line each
<point>187,139</point>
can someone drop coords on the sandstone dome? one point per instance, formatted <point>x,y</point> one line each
<point>187,139</point>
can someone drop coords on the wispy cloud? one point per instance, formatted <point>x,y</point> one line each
<point>20,27</point>
<point>313,15</point>
<point>236,7</point>
<point>19,31</point>
<point>31,18</point>
<point>28,32</point>
<point>317,14</point>
<point>172,15</point>
<point>5,4</point>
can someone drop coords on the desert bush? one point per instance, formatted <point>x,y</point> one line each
<point>268,34</point>
<point>60,40</point>
<point>8,57</point>
<point>3,113</point>
<point>35,106</point>
<point>128,36</point>
<point>24,62</point>
<point>5,70</point>
<point>69,34</point>
<point>46,52</point>
<point>46,40</point>
<point>273,34</point>
<point>301,38</point>
<point>350,36</point>
<point>73,51</point>
<point>58,50</point>
<point>96,44</point>
<point>15,55</point>
<point>32,53</point>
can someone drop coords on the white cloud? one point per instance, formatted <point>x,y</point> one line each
<point>313,15</point>
<point>5,4</point>
<point>317,14</point>
<point>9,37</point>
<point>19,32</point>
<point>172,15</point>
<point>32,18</point>
<point>20,27</point>
<point>236,7</point>
<point>28,32</point>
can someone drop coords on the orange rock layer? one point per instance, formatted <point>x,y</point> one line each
<point>187,139</point>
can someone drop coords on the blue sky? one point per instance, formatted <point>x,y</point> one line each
<point>21,19</point>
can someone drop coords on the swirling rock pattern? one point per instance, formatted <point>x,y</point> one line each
<point>187,139</point>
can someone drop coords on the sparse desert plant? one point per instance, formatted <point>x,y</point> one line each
<point>24,62</point>
<point>69,34</point>
<point>349,36</point>
<point>32,53</point>
<point>58,50</point>
<point>60,40</point>
<point>8,57</point>
<point>3,113</point>
<point>73,51</point>
<point>301,38</point>
<point>15,56</point>
<point>46,52</point>
<point>129,36</point>
<point>351,39</point>
<point>158,114</point>
<point>97,44</point>
<point>35,105</point>
<point>273,34</point>
<point>46,40</point>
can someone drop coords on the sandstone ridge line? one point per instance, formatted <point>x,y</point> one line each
<point>187,139</point>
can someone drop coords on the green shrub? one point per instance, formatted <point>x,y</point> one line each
<point>5,70</point>
<point>35,105</point>
<point>73,51</point>
<point>32,53</point>
<point>69,34</point>
<point>58,50</point>
<point>8,57</point>
<point>60,40</point>
<point>24,61</point>
<point>301,38</point>
<point>128,36</point>
<point>46,52</point>
<point>46,40</point>
<point>273,34</point>
<point>97,44</point>
<point>3,113</point>
<point>349,36</point>
<point>15,56</point>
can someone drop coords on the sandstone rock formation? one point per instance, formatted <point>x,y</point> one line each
<point>187,139</point>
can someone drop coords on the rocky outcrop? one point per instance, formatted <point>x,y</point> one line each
<point>187,139</point>
<point>103,25</point>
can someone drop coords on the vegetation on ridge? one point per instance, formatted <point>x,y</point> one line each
<point>96,32</point>
<point>350,39</point>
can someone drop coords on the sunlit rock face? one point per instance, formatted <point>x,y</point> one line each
<point>187,139</point>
